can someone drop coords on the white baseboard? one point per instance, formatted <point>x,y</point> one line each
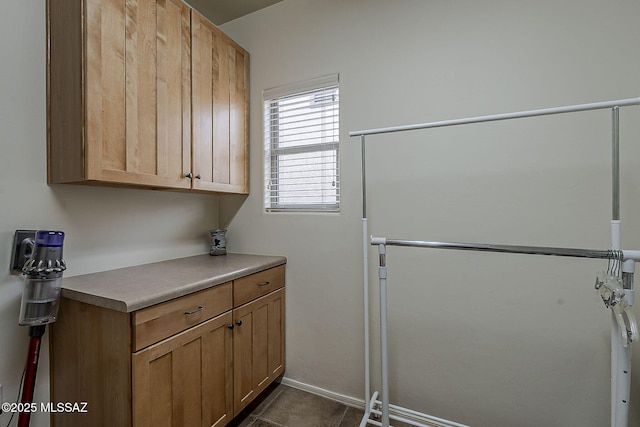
<point>341,398</point>
<point>359,403</point>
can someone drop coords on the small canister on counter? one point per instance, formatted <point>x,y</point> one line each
<point>218,242</point>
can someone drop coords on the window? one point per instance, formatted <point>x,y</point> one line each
<point>302,138</point>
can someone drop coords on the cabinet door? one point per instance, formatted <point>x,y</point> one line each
<point>258,346</point>
<point>186,380</point>
<point>220,110</point>
<point>137,98</point>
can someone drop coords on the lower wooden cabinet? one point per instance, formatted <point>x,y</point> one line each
<point>258,347</point>
<point>221,348</point>
<point>186,380</point>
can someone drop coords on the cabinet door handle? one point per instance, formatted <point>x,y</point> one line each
<point>198,176</point>
<point>188,175</point>
<point>230,326</point>
<point>197,310</point>
<point>239,322</point>
<point>263,283</point>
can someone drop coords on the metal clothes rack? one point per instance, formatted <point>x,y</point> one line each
<point>620,351</point>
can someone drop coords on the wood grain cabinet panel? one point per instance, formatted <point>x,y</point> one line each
<point>258,346</point>
<point>256,285</point>
<point>90,361</point>
<point>220,109</point>
<point>119,102</point>
<point>160,321</point>
<point>186,380</point>
<point>119,92</point>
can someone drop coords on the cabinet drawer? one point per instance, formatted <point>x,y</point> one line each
<point>256,285</point>
<point>160,321</point>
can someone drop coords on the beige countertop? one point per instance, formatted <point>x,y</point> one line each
<point>133,288</point>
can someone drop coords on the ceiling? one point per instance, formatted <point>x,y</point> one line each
<point>221,11</point>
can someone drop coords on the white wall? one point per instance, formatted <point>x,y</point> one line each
<point>105,228</point>
<point>483,339</point>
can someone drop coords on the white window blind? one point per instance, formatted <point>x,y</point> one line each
<point>302,136</point>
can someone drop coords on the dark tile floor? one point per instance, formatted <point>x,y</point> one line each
<point>283,406</point>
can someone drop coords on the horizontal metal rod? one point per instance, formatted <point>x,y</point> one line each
<point>505,116</point>
<point>485,247</point>
<point>419,415</point>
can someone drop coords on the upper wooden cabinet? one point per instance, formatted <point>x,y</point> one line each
<point>220,91</point>
<point>120,98</point>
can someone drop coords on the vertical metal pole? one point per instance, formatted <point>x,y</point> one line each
<point>623,378</point>
<point>384,354</point>
<point>365,279</point>
<point>615,160</point>
<point>615,350</point>
<point>364,177</point>
<point>620,355</point>
<point>616,342</point>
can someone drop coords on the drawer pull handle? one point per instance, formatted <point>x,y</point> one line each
<point>263,283</point>
<point>197,310</point>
